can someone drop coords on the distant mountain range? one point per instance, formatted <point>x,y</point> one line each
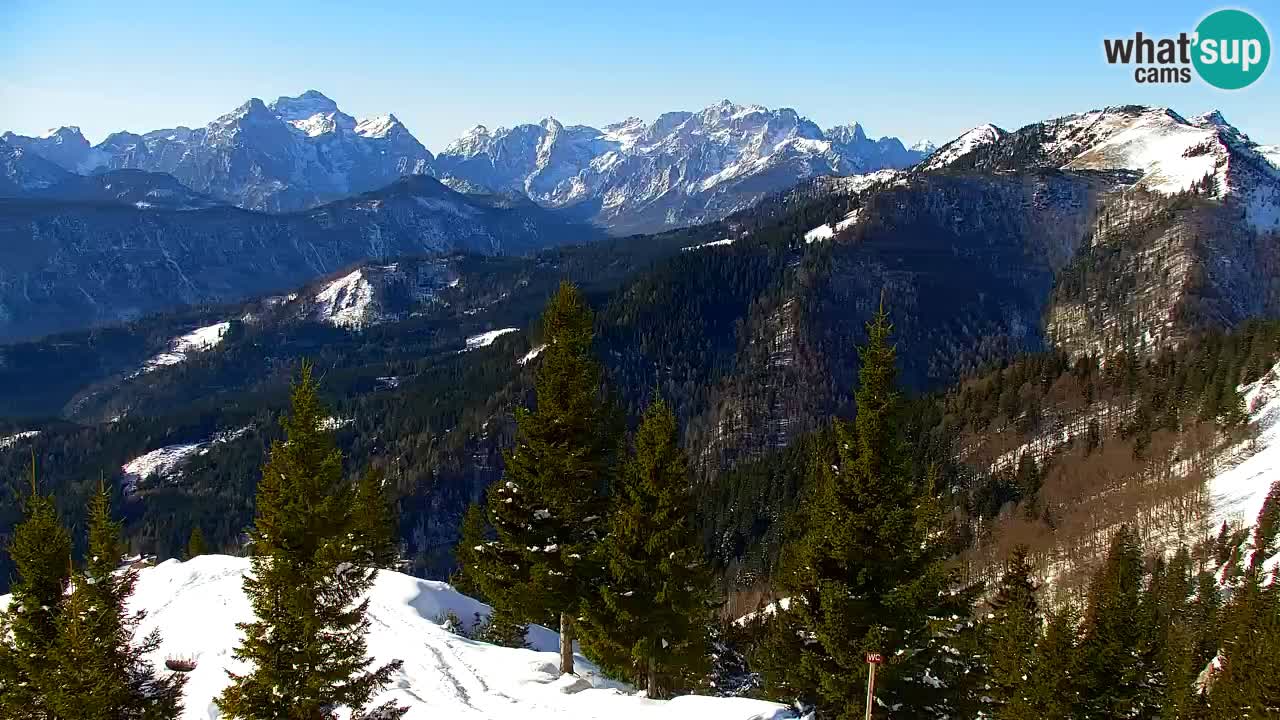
<point>133,243</point>
<point>299,152</point>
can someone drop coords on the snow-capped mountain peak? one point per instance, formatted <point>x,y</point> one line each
<point>683,167</point>
<point>313,114</point>
<point>295,153</point>
<point>981,136</point>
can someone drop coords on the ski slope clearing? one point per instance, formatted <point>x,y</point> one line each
<point>196,604</point>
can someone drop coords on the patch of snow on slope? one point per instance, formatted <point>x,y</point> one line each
<point>1237,493</point>
<point>165,462</point>
<point>198,340</point>
<point>161,462</point>
<point>486,339</point>
<point>11,440</point>
<point>822,232</point>
<point>529,356</point>
<point>980,136</point>
<point>713,243</point>
<point>196,604</point>
<point>347,302</point>
<point>854,184</point>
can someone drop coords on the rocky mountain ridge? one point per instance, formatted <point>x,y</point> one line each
<point>684,168</point>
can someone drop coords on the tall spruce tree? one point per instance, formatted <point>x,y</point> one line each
<point>1115,640</point>
<point>548,510</point>
<point>41,554</point>
<point>650,622</point>
<point>1011,632</point>
<point>103,674</point>
<point>867,572</point>
<point>306,645</point>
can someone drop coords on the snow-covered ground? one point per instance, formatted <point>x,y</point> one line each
<point>1237,493</point>
<point>198,340</point>
<point>196,604</point>
<point>486,339</point>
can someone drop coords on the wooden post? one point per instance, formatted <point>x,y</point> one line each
<point>566,643</point>
<point>873,660</point>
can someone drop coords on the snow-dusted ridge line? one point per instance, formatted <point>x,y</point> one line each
<point>196,604</point>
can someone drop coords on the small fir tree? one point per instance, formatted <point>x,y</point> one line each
<point>196,544</point>
<point>102,673</point>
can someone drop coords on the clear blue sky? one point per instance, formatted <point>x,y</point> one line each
<point>909,69</point>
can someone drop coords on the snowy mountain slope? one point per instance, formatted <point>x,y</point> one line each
<point>195,605</point>
<point>971,140</point>
<point>1236,492</point>
<point>1167,152</point>
<point>683,168</point>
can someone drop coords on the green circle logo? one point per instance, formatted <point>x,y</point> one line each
<point>1232,49</point>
